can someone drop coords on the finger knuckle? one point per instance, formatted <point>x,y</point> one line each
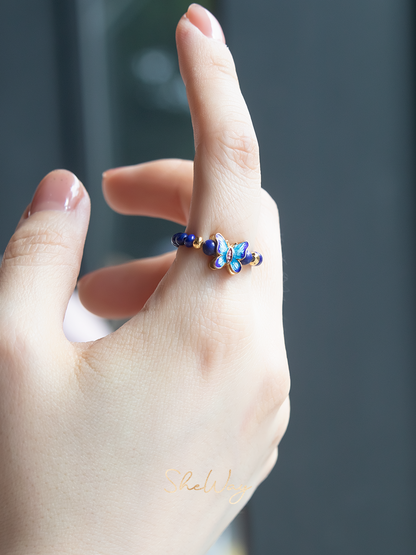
<point>270,464</point>
<point>282,422</point>
<point>238,150</point>
<point>269,203</point>
<point>220,343</point>
<point>222,66</point>
<point>274,389</point>
<point>267,396</point>
<point>29,248</point>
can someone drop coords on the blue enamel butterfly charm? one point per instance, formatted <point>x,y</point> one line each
<point>228,255</point>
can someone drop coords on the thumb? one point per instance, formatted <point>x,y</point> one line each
<point>42,260</point>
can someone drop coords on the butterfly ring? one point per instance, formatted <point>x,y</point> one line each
<point>233,256</point>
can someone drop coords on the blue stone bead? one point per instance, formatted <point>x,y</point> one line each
<point>247,259</point>
<point>174,239</point>
<point>209,247</point>
<point>189,241</point>
<point>260,259</point>
<point>181,238</point>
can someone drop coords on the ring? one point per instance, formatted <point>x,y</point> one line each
<point>233,256</point>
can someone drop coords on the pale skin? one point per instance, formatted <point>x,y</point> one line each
<point>196,379</point>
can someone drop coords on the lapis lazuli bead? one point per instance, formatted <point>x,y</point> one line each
<point>174,239</point>
<point>189,241</point>
<point>247,259</point>
<point>260,259</point>
<point>181,238</point>
<point>209,247</point>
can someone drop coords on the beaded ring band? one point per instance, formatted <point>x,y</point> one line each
<point>233,256</point>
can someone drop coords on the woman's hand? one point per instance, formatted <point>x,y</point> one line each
<point>95,438</point>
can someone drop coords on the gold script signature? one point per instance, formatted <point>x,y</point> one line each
<point>241,490</point>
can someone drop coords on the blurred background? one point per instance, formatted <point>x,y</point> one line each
<point>92,84</point>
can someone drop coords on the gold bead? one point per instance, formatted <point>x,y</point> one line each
<point>212,264</point>
<point>256,259</point>
<point>197,244</point>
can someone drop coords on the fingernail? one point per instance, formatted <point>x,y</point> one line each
<point>83,280</point>
<point>109,172</point>
<point>26,212</point>
<point>206,22</point>
<point>59,190</point>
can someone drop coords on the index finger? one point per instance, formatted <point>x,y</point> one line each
<point>226,192</point>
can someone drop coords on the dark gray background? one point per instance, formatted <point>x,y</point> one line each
<point>330,88</point>
<point>330,85</point>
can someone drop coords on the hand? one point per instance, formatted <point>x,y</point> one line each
<point>195,381</point>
